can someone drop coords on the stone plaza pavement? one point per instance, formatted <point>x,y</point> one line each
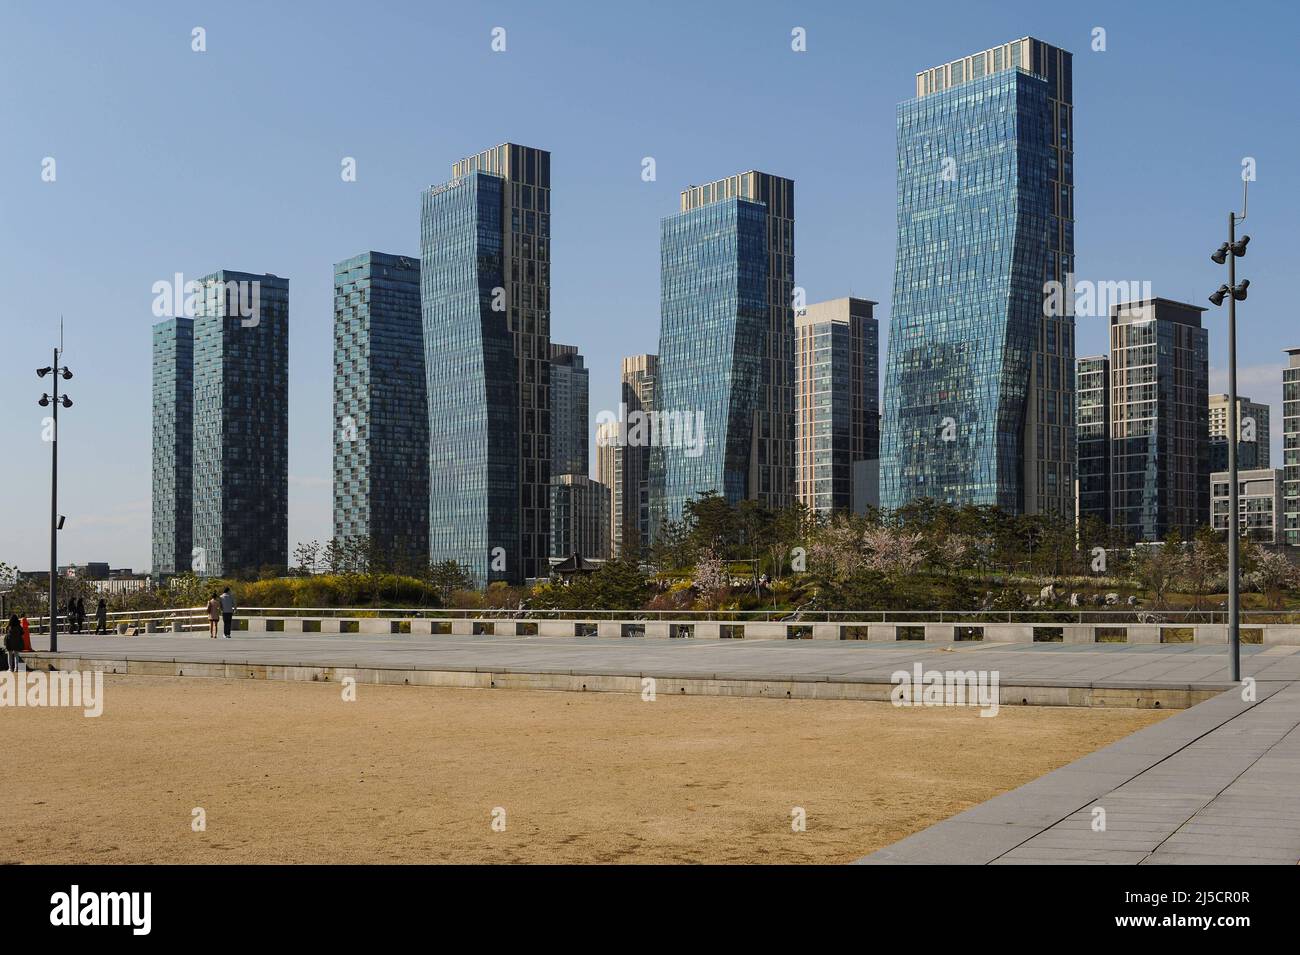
<point>1216,783</point>
<point>1041,664</point>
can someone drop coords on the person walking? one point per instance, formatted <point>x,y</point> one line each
<point>70,618</point>
<point>13,641</point>
<point>214,614</point>
<point>227,609</point>
<point>101,617</point>
<point>81,614</point>
<point>27,634</point>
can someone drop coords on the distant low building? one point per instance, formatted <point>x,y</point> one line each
<point>1259,503</point>
<point>580,522</point>
<point>1254,433</point>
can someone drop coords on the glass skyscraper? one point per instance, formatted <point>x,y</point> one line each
<point>485,299</point>
<point>241,423</point>
<point>381,419</point>
<point>1291,448</point>
<point>837,401</point>
<point>173,444</point>
<point>570,410</point>
<point>1092,386</point>
<point>979,381</point>
<point>1159,420</point>
<point>726,346</point>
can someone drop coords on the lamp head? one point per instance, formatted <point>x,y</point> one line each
<point>1239,291</point>
<point>45,401</point>
<point>1219,295</point>
<point>67,373</point>
<point>42,372</point>
<point>1220,255</point>
<point>65,401</point>
<point>1239,247</point>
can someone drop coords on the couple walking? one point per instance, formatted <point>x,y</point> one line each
<point>221,608</point>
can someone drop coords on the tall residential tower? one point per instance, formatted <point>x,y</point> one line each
<point>173,445</point>
<point>241,424</point>
<point>1159,420</point>
<point>1092,386</point>
<point>837,402</point>
<point>381,421</point>
<point>1291,448</point>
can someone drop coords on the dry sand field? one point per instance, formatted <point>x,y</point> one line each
<point>290,772</point>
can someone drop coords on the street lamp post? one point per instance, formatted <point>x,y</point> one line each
<point>45,401</point>
<point>1229,252</point>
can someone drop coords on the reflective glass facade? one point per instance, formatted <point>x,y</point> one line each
<point>1160,453</point>
<point>570,405</point>
<point>473,396</point>
<point>1092,385</point>
<point>241,423</point>
<point>381,419</point>
<point>579,517</point>
<point>173,436</point>
<point>979,382</point>
<point>713,331</point>
<point>1291,448</point>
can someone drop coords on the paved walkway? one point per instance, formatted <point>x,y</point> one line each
<point>1216,784</point>
<point>1042,664</point>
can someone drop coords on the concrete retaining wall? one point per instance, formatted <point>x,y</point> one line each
<point>1172,697</point>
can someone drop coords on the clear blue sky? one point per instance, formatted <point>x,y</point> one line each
<point>174,161</point>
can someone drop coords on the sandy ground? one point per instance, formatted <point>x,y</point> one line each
<point>291,773</point>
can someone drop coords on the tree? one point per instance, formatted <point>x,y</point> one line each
<point>836,550</point>
<point>891,552</point>
<point>1204,563</point>
<point>712,523</point>
<point>712,582</point>
<point>672,548</point>
<point>1157,566</point>
<point>1272,574</point>
<point>446,578</point>
<point>307,556</point>
<point>793,526</point>
<point>756,525</point>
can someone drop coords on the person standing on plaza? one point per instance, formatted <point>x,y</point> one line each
<point>227,609</point>
<point>214,614</point>
<point>13,641</point>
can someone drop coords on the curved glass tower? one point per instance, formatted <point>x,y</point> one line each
<point>470,371</point>
<point>485,296</point>
<point>724,399</point>
<point>979,383</point>
<point>713,291</point>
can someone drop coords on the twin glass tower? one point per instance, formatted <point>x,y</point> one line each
<point>978,387</point>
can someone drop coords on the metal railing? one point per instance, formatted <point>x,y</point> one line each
<point>190,618</point>
<point>196,617</point>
